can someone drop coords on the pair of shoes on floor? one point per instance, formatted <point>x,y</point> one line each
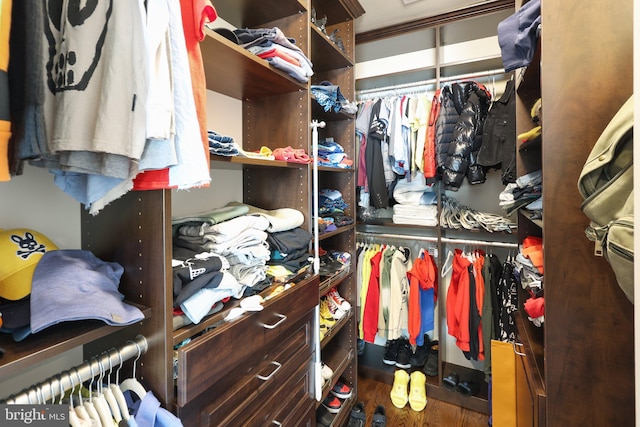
<point>358,416</point>
<point>452,382</point>
<point>398,353</point>
<point>415,395</point>
<point>426,357</point>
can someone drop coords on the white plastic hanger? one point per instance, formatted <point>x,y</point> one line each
<point>74,421</point>
<point>88,404</point>
<point>108,394</point>
<point>79,409</point>
<point>100,403</point>
<point>132,384</point>
<point>448,264</point>
<point>117,393</point>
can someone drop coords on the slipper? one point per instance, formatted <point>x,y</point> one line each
<point>399,391</point>
<point>450,382</point>
<point>418,391</point>
<point>468,388</point>
<point>358,417</point>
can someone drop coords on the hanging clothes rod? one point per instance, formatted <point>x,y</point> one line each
<point>51,388</point>
<point>479,243</point>
<point>442,239</point>
<point>430,82</point>
<point>398,236</point>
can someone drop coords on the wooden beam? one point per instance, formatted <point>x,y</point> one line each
<point>432,21</point>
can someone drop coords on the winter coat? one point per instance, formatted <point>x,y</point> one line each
<point>466,139</point>
<point>373,158</point>
<point>445,123</point>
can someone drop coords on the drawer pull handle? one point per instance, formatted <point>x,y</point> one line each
<point>516,351</point>
<point>277,423</point>
<point>268,377</point>
<point>275,325</point>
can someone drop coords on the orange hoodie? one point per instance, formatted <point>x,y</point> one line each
<point>423,274</point>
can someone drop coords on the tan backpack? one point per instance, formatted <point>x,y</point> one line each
<point>606,184</point>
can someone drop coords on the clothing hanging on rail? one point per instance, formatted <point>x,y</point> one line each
<point>96,159</point>
<point>397,292</point>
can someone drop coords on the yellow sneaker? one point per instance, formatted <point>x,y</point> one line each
<point>325,314</point>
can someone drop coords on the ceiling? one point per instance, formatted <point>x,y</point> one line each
<point>385,13</point>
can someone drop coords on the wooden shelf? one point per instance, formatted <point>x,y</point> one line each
<point>258,162</point>
<point>326,54</point>
<point>239,73</point>
<point>338,11</point>
<point>336,232</point>
<point>336,328</point>
<point>256,13</point>
<point>328,282</point>
<point>55,340</point>
<point>334,169</point>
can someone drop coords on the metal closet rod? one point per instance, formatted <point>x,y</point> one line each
<point>398,236</point>
<point>57,384</point>
<point>442,239</point>
<point>430,82</point>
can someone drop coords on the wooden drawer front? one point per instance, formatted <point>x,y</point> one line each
<point>245,390</point>
<point>280,408</point>
<point>208,358</point>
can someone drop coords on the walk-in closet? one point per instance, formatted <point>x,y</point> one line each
<point>322,213</point>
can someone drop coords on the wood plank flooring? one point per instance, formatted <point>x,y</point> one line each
<point>437,413</point>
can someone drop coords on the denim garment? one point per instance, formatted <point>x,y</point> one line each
<point>328,96</point>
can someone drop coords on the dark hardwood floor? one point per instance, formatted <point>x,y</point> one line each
<point>437,413</point>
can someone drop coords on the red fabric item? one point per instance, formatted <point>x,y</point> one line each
<point>152,180</point>
<point>282,55</point>
<point>372,303</point>
<point>458,301</point>
<point>532,249</point>
<point>429,154</point>
<point>534,307</point>
<point>423,274</point>
<point>195,13</point>
<point>479,279</point>
<point>289,154</point>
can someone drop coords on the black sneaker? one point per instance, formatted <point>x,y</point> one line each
<point>358,417</point>
<point>431,367</point>
<point>391,352</point>
<point>403,357</point>
<point>361,346</point>
<point>419,358</point>
<point>379,418</point>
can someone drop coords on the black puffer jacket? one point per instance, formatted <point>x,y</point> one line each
<point>466,140</point>
<point>447,119</point>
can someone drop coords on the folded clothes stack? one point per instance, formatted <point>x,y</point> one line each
<point>272,45</point>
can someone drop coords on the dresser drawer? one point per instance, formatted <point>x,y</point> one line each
<point>283,408</point>
<point>246,387</point>
<point>210,357</point>
<point>236,401</point>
